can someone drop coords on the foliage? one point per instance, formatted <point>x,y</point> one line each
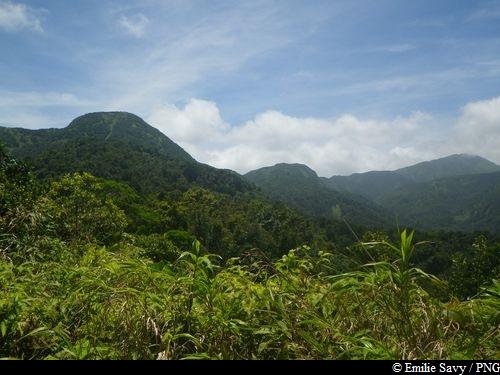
<point>475,268</point>
<point>462,203</point>
<point>119,146</point>
<point>301,188</point>
<point>118,305</point>
<point>78,213</point>
<point>91,269</point>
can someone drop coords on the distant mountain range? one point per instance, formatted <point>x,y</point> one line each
<point>464,203</point>
<point>376,184</point>
<point>300,187</point>
<point>458,192</point>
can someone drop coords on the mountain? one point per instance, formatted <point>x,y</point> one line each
<point>464,203</point>
<point>451,193</point>
<point>120,146</point>
<point>373,185</point>
<point>300,187</point>
<point>370,185</point>
<point>456,192</point>
<point>453,165</point>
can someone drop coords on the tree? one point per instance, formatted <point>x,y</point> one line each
<point>80,213</point>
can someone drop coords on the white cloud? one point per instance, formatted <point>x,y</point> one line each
<point>182,57</point>
<point>395,48</point>
<point>341,145</point>
<point>329,146</point>
<point>424,83</point>
<point>134,25</point>
<point>30,120</point>
<point>198,122</point>
<point>488,11</point>
<point>16,17</point>
<point>477,130</point>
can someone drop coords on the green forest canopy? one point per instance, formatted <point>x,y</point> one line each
<point>91,268</point>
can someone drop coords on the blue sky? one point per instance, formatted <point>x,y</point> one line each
<point>212,74</point>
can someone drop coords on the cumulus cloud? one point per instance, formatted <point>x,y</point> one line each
<point>134,25</point>
<point>477,130</point>
<point>197,123</point>
<point>15,17</point>
<point>342,145</point>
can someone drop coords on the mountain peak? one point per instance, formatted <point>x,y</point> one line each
<point>452,165</point>
<point>289,169</point>
<point>108,118</point>
<point>463,156</point>
<point>299,186</point>
<point>126,128</point>
<point>120,146</point>
<point>297,167</point>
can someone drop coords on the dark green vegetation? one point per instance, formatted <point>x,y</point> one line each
<point>91,267</point>
<point>300,187</point>
<point>122,147</point>
<point>376,184</point>
<point>462,203</point>
<point>459,192</point>
<point>119,146</point>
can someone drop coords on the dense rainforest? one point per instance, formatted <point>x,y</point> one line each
<point>97,260</point>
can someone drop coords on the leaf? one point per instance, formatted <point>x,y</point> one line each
<point>3,328</point>
<point>264,331</point>
<point>34,332</point>
<point>197,356</point>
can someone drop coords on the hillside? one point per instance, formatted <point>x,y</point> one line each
<point>464,203</point>
<point>375,184</point>
<point>449,193</point>
<point>120,146</point>
<point>449,166</point>
<point>300,187</point>
<point>92,269</point>
<point>370,185</point>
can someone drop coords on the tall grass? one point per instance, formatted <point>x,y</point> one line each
<point>92,303</point>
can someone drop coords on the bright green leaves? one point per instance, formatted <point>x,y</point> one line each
<point>115,304</point>
<point>80,213</point>
<point>97,293</point>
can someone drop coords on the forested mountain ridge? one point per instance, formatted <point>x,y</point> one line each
<point>300,187</point>
<point>110,126</point>
<point>459,192</point>
<point>449,166</point>
<point>461,203</point>
<point>123,147</point>
<point>375,184</point>
<point>120,146</point>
